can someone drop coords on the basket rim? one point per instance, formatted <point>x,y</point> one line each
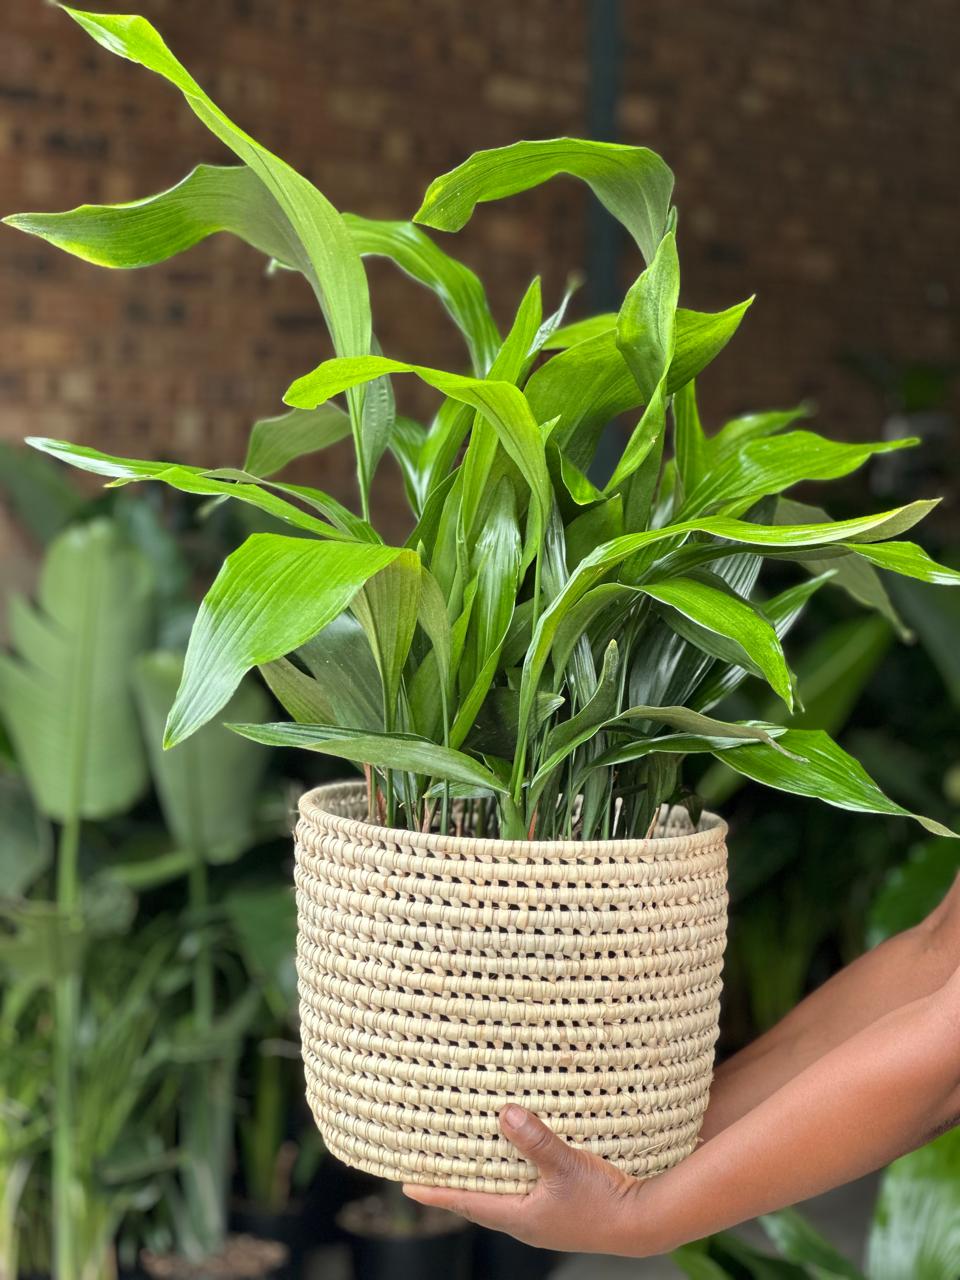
<point>313,807</point>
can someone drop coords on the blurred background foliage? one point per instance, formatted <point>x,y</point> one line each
<point>187,1111</point>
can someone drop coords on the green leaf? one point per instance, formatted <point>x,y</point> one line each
<point>381,750</point>
<point>264,920</point>
<point>334,265</point>
<point>913,890</point>
<point>768,466</point>
<point>270,596</point>
<point>824,771</point>
<point>387,608</point>
<point>732,437</point>
<point>850,573</point>
<point>39,495</point>
<point>645,324</point>
<point>454,284</point>
<point>700,337</point>
<point>570,734</point>
<point>222,484</point>
<point>916,1225</point>
<point>911,561</point>
<point>208,787</point>
<point>66,694</point>
<point>689,441</point>
<point>725,614</point>
<point>798,1241</point>
<point>276,442</point>
<point>26,850</point>
<point>500,403</point>
<point>343,685</point>
<point>631,182</point>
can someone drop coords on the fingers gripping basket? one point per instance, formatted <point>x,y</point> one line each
<point>442,976</point>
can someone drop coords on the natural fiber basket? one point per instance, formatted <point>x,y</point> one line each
<point>442,977</point>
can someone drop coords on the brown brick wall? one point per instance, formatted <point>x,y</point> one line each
<point>814,146</point>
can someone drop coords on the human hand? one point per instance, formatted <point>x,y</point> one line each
<point>580,1203</point>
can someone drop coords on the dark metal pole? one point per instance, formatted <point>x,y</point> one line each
<point>603,92</point>
<point>604,233</point>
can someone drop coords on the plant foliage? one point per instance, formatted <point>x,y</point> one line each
<point>547,646</point>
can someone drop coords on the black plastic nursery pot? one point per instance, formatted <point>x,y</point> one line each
<point>440,1248</point>
<point>290,1227</point>
<point>499,1257</point>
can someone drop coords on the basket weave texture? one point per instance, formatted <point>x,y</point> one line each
<point>442,977</point>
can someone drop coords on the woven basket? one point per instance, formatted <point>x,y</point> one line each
<point>442,976</point>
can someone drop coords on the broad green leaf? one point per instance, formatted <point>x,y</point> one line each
<point>935,615</point>
<point>690,444</point>
<point>300,695</point>
<point>65,693</point>
<point>406,445</point>
<point>208,787</point>
<point>270,596</point>
<point>823,770</point>
<point>645,324</point>
<point>500,403</point>
<point>380,750</point>
<point>36,492</point>
<point>697,1265</point>
<point>631,182</point>
<point>850,573</point>
<point>570,734</point>
<point>222,484</point>
<point>387,608</point>
<point>645,339</point>
<point>344,676</point>
<point>699,338</point>
<point>911,561</point>
<point>610,596</point>
<point>798,1241</point>
<point>264,921</point>
<point>732,437</point>
<point>26,850</point>
<point>768,466</point>
<point>276,442</point>
<point>497,569</point>
<point>726,615</point>
<point>435,622</point>
<point>916,1224</point>
<point>510,364</point>
<point>913,890</point>
<point>782,612</point>
<point>569,335</point>
<point>454,284</point>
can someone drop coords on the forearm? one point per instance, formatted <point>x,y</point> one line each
<point>885,1090</point>
<point>909,966</point>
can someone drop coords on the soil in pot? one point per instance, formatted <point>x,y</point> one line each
<point>243,1257</point>
<point>390,1242</point>
<point>499,1257</point>
<point>289,1226</point>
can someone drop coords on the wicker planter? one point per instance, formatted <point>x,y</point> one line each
<point>441,977</point>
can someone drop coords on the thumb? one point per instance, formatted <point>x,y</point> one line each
<point>553,1158</point>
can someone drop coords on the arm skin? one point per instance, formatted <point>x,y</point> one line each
<point>862,1071</point>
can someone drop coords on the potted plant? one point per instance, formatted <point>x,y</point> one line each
<point>520,900</point>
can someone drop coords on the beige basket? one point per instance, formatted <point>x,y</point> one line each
<point>442,977</point>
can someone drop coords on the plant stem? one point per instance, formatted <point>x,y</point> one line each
<point>198,899</point>
<point>66,1007</point>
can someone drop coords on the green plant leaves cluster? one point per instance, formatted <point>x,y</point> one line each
<point>547,643</point>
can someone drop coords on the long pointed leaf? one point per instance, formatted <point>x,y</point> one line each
<point>271,595</point>
<point>822,770</point>
<point>632,182</point>
<point>381,750</point>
